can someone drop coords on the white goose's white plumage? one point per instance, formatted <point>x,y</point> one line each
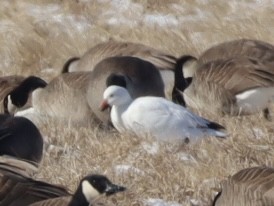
<point>156,116</point>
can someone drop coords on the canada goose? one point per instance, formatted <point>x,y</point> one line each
<point>236,86</point>
<point>257,49</point>
<point>7,84</point>
<point>156,116</point>
<point>17,188</point>
<point>20,138</point>
<point>162,61</point>
<point>140,77</point>
<point>75,96</point>
<point>89,188</point>
<point>250,187</point>
<point>64,98</point>
<point>18,98</point>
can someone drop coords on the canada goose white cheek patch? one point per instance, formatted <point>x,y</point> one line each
<point>11,107</point>
<point>255,99</point>
<point>89,191</point>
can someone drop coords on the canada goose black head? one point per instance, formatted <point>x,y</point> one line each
<point>91,187</point>
<point>19,96</point>
<point>20,138</point>
<point>180,82</point>
<point>70,62</point>
<point>116,79</point>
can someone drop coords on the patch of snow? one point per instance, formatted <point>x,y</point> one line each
<point>187,158</point>
<point>161,20</point>
<point>159,202</point>
<point>151,148</point>
<point>122,169</point>
<point>54,13</point>
<point>258,133</point>
<point>195,202</point>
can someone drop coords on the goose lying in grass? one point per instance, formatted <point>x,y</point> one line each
<point>251,186</point>
<point>156,116</point>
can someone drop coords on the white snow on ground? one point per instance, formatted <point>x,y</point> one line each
<point>54,13</point>
<point>151,148</point>
<point>258,133</point>
<point>187,158</point>
<point>159,202</point>
<point>122,169</point>
<point>160,20</point>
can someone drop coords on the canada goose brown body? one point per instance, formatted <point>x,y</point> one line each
<point>257,49</point>
<point>7,84</point>
<point>140,77</point>
<point>162,61</point>
<point>17,188</point>
<point>64,98</point>
<point>93,56</point>
<point>248,187</point>
<point>20,138</point>
<point>221,85</point>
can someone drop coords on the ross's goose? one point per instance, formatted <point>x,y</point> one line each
<point>156,116</point>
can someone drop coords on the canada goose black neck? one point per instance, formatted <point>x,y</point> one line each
<point>20,138</point>
<point>68,64</point>
<point>180,83</point>
<point>19,96</point>
<point>116,79</point>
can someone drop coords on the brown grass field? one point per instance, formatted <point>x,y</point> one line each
<point>38,36</point>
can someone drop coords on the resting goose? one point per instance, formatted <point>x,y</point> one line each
<point>20,138</point>
<point>17,188</point>
<point>18,98</point>
<point>257,49</point>
<point>252,186</point>
<point>90,187</point>
<point>156,116</point>
<point>75,96</point>
<point>140,77</point>
<point>162,61</point>
<point>235,86</point>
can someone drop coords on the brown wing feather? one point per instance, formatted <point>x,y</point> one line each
<point>17,188</point>
<point>59,201</point>
<point>112,48</point>
<point>236,75</point>
<point>251,186</point>
<point>241,47</point>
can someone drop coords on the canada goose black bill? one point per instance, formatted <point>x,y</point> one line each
<point>19,97</point>
<point>89,188</point>
<point>251,186</point>
<point>20,138</point>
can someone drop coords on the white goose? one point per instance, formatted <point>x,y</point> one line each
<point>156,116</point>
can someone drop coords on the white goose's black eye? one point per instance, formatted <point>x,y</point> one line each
<point>111,95</point>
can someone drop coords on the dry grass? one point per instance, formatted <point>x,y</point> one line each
<point>37,36</point>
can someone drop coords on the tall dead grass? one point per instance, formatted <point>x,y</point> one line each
<point>37,36</point>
